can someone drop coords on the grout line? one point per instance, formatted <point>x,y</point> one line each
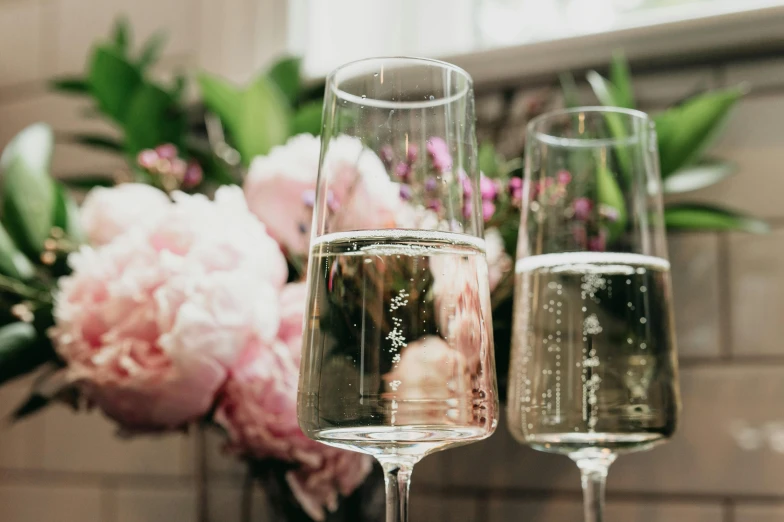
<point>723,271</point>
<point>719,76</point>
<point>729,510</point>
<point>630,496</point>
<point>109,492</point>
<point>56,478</point>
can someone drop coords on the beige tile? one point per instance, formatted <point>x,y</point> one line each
<point>20,37</point>
<point>759,513</point>
<point>695,282</point>
<point>730,441</point>
<point>436,508</point>
<point>19,441</point>
<point>509,510</point>
<point>756,293</point>
<point>65,115</point>
<point>87,442</point>
<point>752,139</point>
<point>758,74</point>
<point>664,88</point>
<point>179,504</point>
<point>218,461</point>
<point>83,22</point>
<point>59,503</point>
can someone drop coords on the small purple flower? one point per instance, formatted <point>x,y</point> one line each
<point>434,204</point>
<point>412,153</point>
<point>488,209</point>
<point>166,151</point>
<point>515,188</point>
<point>403,170</point>
<point>387,155</point>
<point>309,198</point>
<point>178,167</point>
<point>332,202</point>
<point>609,213</point>
<point>487,188</point>
<point>583,207</point>
<point>147,159</point>
<point>439,153</point>
<point>193,175</point>
<point>564,177</point>
<point>431,184</point>
<point>468,189</point>
<point>405,192</point>
<point>598,243</point>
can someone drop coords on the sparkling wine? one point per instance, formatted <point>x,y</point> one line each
<point>400,321</point>
<point>594,366</point>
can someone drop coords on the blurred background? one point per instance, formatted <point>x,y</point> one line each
<point>727,461</point>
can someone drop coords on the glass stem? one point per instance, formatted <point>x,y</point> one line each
<point>397,477</point>
<point>593,470</point>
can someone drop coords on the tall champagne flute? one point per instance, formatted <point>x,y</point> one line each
<point>398,351</point>
<point>594,368</point>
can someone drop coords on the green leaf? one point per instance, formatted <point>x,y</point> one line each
<point>569,89</point>
<point>179,87</point>
<point>222,98</point>
<point>113,81</point>
<point>151,51</point>
<point>286,74</point>
<point>13,263</point>
<point>701,175</point>
<point>66,215</point>
<point>33,404</point>
<point>28,194</point>
<point>122,35</point>
<point>609,194</point>
<point>696,216</point>
<point>621,78</point>
<point>87,181</point>
<point>488,161</point>
<point>70,85</point>
<point>264,121</point>
<point>605,91</point>
<point>20,351</point>
<point>308,118</point>
<point>687,130</point>
<point>98,142</point>
<point>154,117</point>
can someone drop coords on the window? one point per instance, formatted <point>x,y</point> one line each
<point>328,33</point>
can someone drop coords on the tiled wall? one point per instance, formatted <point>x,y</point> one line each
<point>726,463</point>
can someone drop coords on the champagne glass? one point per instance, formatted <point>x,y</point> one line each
<point>594,368</point>
<point>397,357</point>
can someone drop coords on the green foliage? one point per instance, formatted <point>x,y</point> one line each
<point>154,117</point>
<point>695,216</point>
<point>21,350</point>
<point>286,74</point>
<point>684,133</point>
<point>609,194</point>
<point>569,89</point>
<point>13,263</point>
<point>705,173</point>
<point>151,51</point>
<point>113,81</point>
<point>100,142</point>
<point>308,118</point>
<point>28,192</point>
<point>71,85</point>
<point>66,214</point>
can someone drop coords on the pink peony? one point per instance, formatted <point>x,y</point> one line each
<point>109,212</point>
<point>150,323</point>
<point>498,261</point>
<point>280,187</point>
<point>431,373</point>
<point>259,411</point>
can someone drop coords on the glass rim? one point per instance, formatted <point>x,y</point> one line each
<point>550,139</point>
<point>332,83</point>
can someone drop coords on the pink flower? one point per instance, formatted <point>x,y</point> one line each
<point>564,177</point>
<point>258,409</point>
<point>498,261</point>
<point>357,181</point>
<point>438,150</point>
<point>150,323</point>
<point>583,207</point>
<point>487,187</point>
<point>430,369</point>
<point>109,212</point>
